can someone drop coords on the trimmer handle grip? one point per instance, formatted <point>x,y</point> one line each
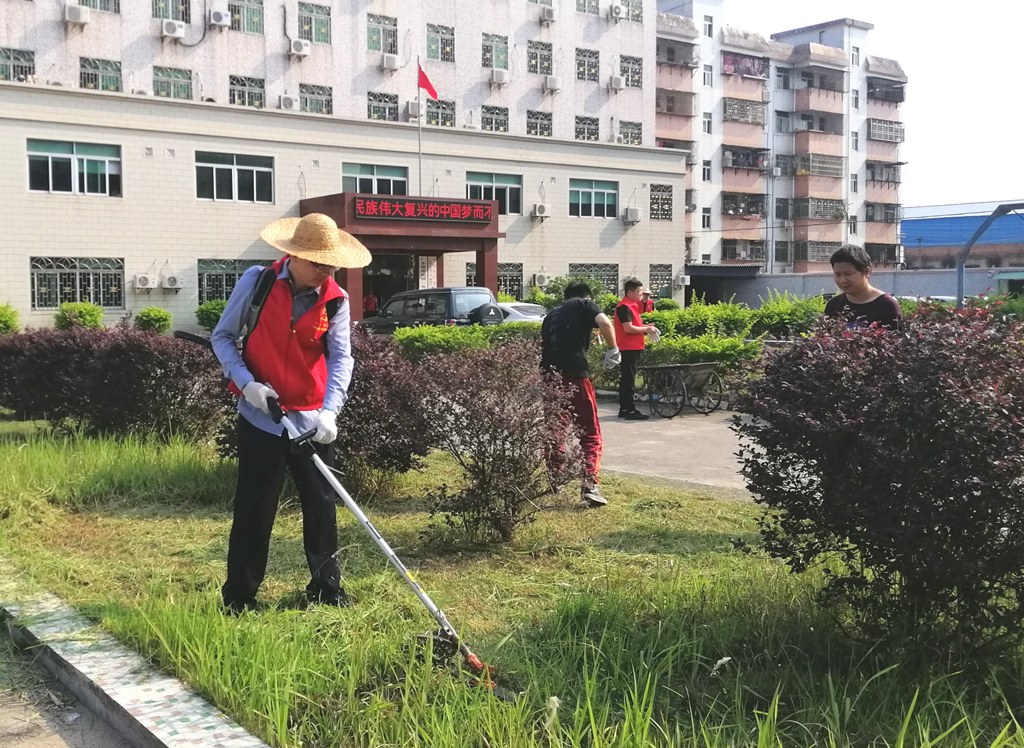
<point>276,411</point>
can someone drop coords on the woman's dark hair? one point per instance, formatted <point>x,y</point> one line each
<point>852,254</point>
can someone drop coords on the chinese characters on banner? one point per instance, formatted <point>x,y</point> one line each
<point>423,210</point>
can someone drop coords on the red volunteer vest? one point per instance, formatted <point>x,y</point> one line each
<point>628,341</point>
<point>291,359</point>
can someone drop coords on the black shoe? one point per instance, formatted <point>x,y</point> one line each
<point>633,415</point>
<point>236,608</point>
<point>340,600</point>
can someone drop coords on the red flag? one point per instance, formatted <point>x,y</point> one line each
<point>426,85</point>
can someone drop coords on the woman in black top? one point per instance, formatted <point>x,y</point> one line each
<point>860,304</point>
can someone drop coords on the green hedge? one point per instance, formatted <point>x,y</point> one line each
<point>208,313</point>
<point>79,314</point>
<point>153,319</point>
<point>783,315</point>
<point>9,322</point>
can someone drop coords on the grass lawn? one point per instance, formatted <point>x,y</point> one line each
<point>634,625</point>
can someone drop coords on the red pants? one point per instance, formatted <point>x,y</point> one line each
<point>584,413</point>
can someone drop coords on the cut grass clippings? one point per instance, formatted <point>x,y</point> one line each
<point>634,625</point>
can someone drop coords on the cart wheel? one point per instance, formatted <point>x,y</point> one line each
<point>669,396</point>
<point>709,398</point>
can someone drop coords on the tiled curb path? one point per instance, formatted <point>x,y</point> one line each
<point>148,708</point>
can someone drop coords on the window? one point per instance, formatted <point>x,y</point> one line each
<point>815,251</point>
<point>76,168</point>
<point>706,124</point>
<point>494,52</point>
<point>587,6</point>
<point>606,272</point>
<point>110,6</point>
<point>819,209</point>
<point>316,99</point>
<point>217,278</point>
<point>743,204</point>
<point>538,123</point>
<point>382,34</point>
<point>709,75</point>
<point>783,208</point>
<point>741,249</point>
<point>783,122</point>
<point>538,58</point>
<point>852,223</point>
<point>709,26</point>
<point>661,203</point>
<point>56,280</point>
<point>510,277</point>
<point>631,133</point>
<point>507,189</point>
<point>99,75</point>
<point>782,78</point>
<point>382,106</point>
<point>172,83</point>
<point>855,56</point>
<point>786,165</point>
<point>782,250</point>
<point>494,118</point>
<point>855,140</point>
<point>634,10</point>
<point>246,15</point>
<point>820,165</point>
<point>855,98</point>
<point>440,43</point>
<point>245,91</point>
<point>315,23</point>
<point>705,218</point>
<point>882,212</point>
<point>16,64</point>
<point>441,113</point>
<point>587,65</point>
<point>885,130</point>
<point>375,180</point>
<point>175,10</point>
<point>705,171</point>
<point>632,69</point>
<point>587,128</point>
<point>235,177</point>
<point>593,199</point>
<point>659,278</point>
<point>853,183</point>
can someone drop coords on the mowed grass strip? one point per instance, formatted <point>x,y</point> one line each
<point>635,625</point>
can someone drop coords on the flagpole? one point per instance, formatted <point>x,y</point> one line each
<point>419,122</point>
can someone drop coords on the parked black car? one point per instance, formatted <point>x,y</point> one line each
<point>463,305</point>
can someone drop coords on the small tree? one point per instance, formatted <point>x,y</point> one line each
<point>895,461</point>
<point>153,319</point>
<point>8,319</point>
<point>209,312</point>
<point>79,314</point>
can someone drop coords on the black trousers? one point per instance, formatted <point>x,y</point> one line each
<point>627,380</point>
<point>262,460</point>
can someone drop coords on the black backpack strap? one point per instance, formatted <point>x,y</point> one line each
<point>332,306</point>
<point>259,298</point>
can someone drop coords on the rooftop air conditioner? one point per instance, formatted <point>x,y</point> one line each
<point>617,83</point>
<point>616,11</point>
<point>220,18</point>
<point>632,215</point>
<point>171,281</point>
<point>499,76</point>
<point>299,47</point>
<point>547,15</point>
<point>541,210</point>
<point>76,13</point>
<point>172,29</point>
<point>145,281</point>
<point>413,109</point>
<point>540,279</point>
<point>289,103</point>
<point>389,61</point>
<point>552,82</point>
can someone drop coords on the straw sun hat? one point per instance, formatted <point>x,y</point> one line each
<point>317,238</point>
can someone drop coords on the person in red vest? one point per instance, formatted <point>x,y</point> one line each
<point>369,303</point>
<point>646,303</point>
<point>629,333</point>
<point>298,353</point>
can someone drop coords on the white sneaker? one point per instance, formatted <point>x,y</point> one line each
<point>592,497</point>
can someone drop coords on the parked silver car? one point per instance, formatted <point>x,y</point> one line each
<point>520,311</point>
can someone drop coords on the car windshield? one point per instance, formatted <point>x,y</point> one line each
<point>467,301</point>
<point>533,310</point>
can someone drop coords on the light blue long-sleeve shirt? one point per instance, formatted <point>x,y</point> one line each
<point>338,351</point>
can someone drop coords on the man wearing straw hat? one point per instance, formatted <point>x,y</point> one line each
<point>300,355</point>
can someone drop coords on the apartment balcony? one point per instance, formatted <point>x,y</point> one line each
<point>880,150</point>
<point>743,180</point>
<point>819,100</point>
<point>883,110</point>
<point>742,250</point>
<point>882,255</point>
<point>675,127</point>
<point>745,227</point>
<point>891,92</point>
<point>881,233</point>
<point>739,87</point>
<point>675,102</point>
<point>816,230</point>
<point>880,192</point>
<point>815,141</point>
<point>811,185</point>
<point>742,135</point>
<point>674,77</point>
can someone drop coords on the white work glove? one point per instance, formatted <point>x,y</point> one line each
<point>654,335</point>
<point>327,427</point>
<point>612,358</point>
<point>256,395</point>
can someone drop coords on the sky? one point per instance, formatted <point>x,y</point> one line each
<point>964,113</point>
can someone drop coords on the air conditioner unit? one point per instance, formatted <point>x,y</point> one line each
<point>547,15</point>
<point>691,159</point>
<point>552,82</point>
<point>691,207</point>
<point>776,171</point>
<point>499,77</point>
<point>289,103</point>
<point>540,280</point>
<point>541,210</point>
<point>299,47</point>
<point>616,11</point>
<point>220,18</point>
<point>632,215</point>
<point>617,83</point>
<point>681,280</point>
<point>145,281</point>
<point>413,109</point>
<point>619,139</point>
<point>171,281</point>
<point>766,95</point>
<point>389,61</point>
<point>172,29</point>
<point>76,13</point>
